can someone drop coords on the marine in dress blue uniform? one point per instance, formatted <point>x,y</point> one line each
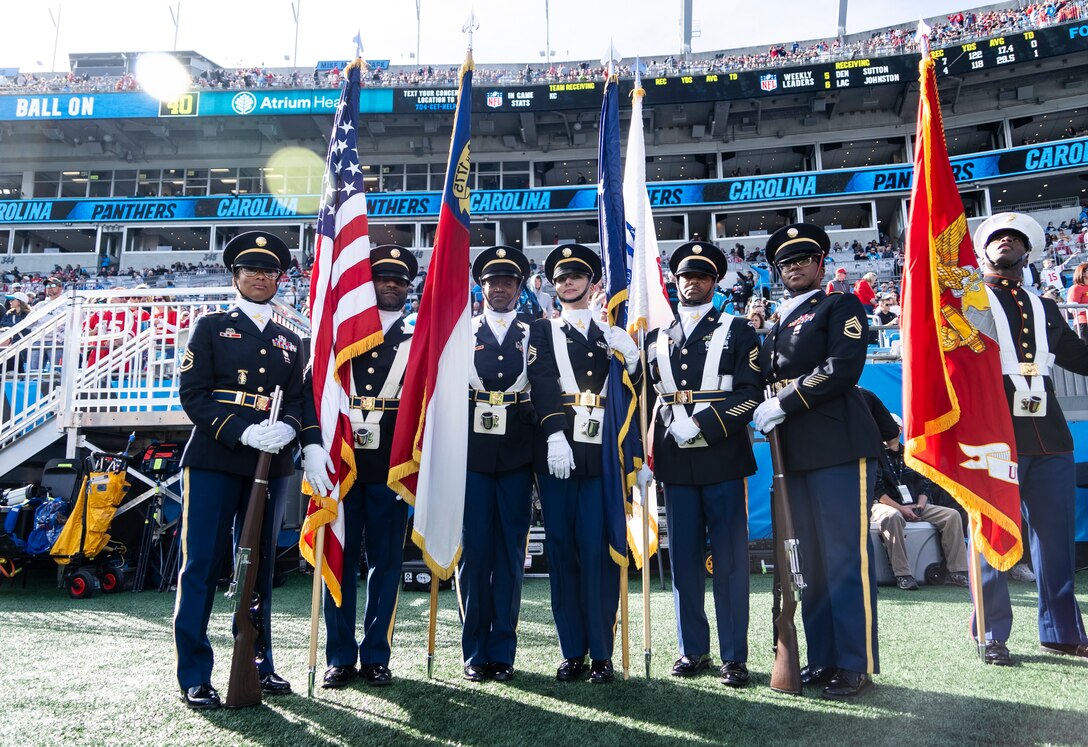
<point>812,358</point>
<point>233,361</point>
<point>705,372</point>
<point>498,494</point>
<point>568,459</point>
<point>1034,337</point>
<point>371,508</point>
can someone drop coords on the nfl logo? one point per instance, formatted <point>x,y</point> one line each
<point>768,82</point>
<point>494,99</point>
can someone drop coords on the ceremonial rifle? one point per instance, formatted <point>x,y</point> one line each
<point>786,671</point>
<point>244,686</point>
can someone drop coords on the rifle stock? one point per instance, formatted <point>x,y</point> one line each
<point>786,671</point>
<point>244,685</point>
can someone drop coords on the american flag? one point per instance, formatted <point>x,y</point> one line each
<point>344,322</point>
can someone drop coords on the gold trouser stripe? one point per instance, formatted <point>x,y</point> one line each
<point>184,552</point>
<point>866,590</point>
<point>396,602</point>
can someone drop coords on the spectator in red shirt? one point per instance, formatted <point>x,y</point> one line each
<point>863,289</point>
<point>1078,293</point>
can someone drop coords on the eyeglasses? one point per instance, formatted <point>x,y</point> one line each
<point>253,272</point>
<point>797,262</point>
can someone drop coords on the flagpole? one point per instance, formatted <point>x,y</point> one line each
<point>315,604</point>
<point>646,650</point>
<point>976,589</point>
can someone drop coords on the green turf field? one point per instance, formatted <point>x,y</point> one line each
<point>100,672</point>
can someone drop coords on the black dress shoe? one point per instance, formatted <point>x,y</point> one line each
<point>500,672</point>
<point>475,672</point>
<point>600,671</point>
<point>273,684</point>
<point>811,675</point>
<point>686,666</point>
<point>734,673</point>
<point>338,677</point>
<point>376,674</point>
<point>997,653</point>
<point>201,697</point>
<point>847,684</point>
<point>1066,649</point>
<point>906,583</point>
<point>571,669</point>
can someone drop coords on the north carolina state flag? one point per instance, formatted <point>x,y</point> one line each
<point>429,457</point>
<point>958,426</point>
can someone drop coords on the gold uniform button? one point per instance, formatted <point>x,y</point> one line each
<point>683,366</point>
<point>590,354</point>
<point>1026,330</point>
<point>234,315</point>
<point>684,351</point>
<point>368,387</point>
<point>263,351</point>
<point>1028,355</point>
<point>589,373</point>
<point>374,354</point>
<point>1021,305</point>
<point>1024,315</point>
<point>370,370</point>
<point>683,381</point>
<point>260,370</point>
<point>500,374</point>
<point>1023,344</point>
<point>260,389</point>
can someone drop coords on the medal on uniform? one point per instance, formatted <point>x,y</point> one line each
<point>243,376</point>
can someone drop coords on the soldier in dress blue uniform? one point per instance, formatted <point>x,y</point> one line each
<point>705,371</point>
<point>232,363</point>
<point>370,507</point>
<point>568,368</point>
<point>812,359</point>
<point>1033,337</point>
<point>498,493</point>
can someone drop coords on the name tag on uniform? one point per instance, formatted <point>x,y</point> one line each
<point>1029,404</point>
<point>489,419</point>
<point>695,443</point>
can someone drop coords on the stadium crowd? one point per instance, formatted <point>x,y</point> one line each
<point>956,28</point>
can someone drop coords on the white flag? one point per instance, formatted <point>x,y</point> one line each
<point>648,303</point>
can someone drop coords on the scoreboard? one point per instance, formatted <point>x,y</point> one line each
<point>985,54</point>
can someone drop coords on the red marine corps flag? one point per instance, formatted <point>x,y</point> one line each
<point>958,428</point>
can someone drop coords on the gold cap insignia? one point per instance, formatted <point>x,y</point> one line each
<point>567,252</point>
<point>792,233</point>
<point>261,241</point>
<point>395,253</point>
<point>1010,218</point>
<point>697,250</point>
<point>500,253</point>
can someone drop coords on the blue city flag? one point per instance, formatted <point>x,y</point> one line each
<point>622,448</point>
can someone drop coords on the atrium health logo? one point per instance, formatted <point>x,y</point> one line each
<point>243,103</point>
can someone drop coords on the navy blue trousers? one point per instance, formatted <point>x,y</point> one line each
<point>692,511</point>
<point>1048,503</point>
<point>498,509</point>
<point>585,580</point>
<point>211,503</point>
<point>838,606</point>
<point>373,509</point>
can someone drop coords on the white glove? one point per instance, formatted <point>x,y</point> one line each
<point>622,343</point>
<point>644,476</point>
<point>768,414</point>
<point>262,437</point>
<point>683,429</point>
<point>560,456</point>
<point>317,464</point>
<point>279,435</point>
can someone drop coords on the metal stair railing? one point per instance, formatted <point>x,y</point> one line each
<point>123,347</point>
